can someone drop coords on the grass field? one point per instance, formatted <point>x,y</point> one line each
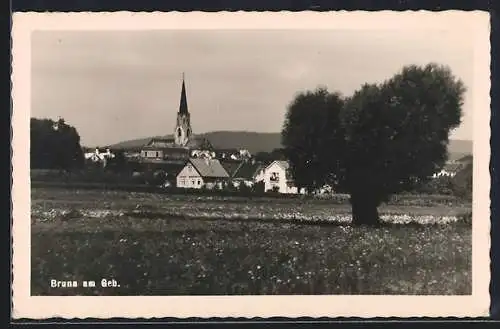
<point>154,244</point>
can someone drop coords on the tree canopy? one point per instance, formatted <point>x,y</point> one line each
<point>384,139</point>
<point>54,145</point>
<point>311,136</point>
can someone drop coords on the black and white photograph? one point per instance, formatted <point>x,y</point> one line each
<point>252,158</point>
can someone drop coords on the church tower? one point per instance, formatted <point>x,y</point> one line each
<point>182,132</point>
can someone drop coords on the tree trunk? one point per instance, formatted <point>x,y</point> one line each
<point>364,209</point>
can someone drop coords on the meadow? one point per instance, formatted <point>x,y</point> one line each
<point>165,244</point>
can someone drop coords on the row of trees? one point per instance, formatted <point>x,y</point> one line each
<point>56,145</point>
<point>384,139</point>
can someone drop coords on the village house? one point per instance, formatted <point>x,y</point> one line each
<point>247,173</point>
<point>161,149</point>
<point>450,169</point>
<point>205,154</point>
<point>183,142</point>
<point>276,177</point>
<point>232,154</point>
<point>202,173</point>
<point>99,156</point>
<point>231,166</point>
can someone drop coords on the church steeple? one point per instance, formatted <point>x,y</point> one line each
<point>183,107</point>
<point>182,132</point>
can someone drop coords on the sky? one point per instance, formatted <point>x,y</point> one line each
<point>120,85</point>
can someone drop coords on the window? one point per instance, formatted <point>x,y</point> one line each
<point>199,181</point>
<point>274,177</point>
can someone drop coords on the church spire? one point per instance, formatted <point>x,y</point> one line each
<point>183,107</point>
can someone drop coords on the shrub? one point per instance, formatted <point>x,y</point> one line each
<point>465,218</point>
<point>259,187</point>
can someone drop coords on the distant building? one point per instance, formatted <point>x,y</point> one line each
<point>204,154</point>
<point>202,173</point>
<point>276,176</point>
<point>231,166</point>
<point>99,156</point>
<point>450,169</point>
<point>232,154</point>
<point>183,142</point>
<point>247,173</point>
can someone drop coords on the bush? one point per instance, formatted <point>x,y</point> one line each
<point>259,187</point>
<point>465,218</point>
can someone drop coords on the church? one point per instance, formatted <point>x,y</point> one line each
<point>178,149</point>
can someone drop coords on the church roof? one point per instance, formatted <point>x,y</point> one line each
<point>209,168</point>
<point>199,143</point>
<point>160,142</point>
<point>183,107</point>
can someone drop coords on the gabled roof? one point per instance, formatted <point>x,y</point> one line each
<point>209,168</point>
<point>231,166</point>
<point>170,167</point>
<point>247,170</point>
<point>283,164</point>
<point>199,142</point>
<point>453,167</point>
<point>169,150</point>
<point>160,142</point>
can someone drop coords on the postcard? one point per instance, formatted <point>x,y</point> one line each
<point>244,164</point>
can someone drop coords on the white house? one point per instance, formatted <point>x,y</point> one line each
<point>276,177</point>
<point>449,170</point>
<point>198,173</point>
<point>99,156</point>
<point>233,154</point>
<point>205,154</point>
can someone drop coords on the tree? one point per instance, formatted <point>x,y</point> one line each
<point>118,163</point>
<point>394,137</point>
<point>312,137</point>
<point>267,157</point>
<point>259,187</point>
<point>54,145</point>
<point>462,182</point>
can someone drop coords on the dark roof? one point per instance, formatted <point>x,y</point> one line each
<point>168,149</point>
<point>183,107</point>
<point>209,168</point>
<point>227,151</point>
<point>247,170</point>
<point>199,142</point>
<point>160,142</point>
<point>453,167</point>
<point>172,168</point>
<point>231,166</point>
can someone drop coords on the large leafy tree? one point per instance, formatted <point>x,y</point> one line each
<point>312,136</point>
<point>394,136</point>
<point>54,145</point>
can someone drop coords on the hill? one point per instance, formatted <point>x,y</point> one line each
<point>252,141</point>
<point>266,142</point>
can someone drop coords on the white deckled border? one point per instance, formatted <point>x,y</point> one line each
<point>474,25</point>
